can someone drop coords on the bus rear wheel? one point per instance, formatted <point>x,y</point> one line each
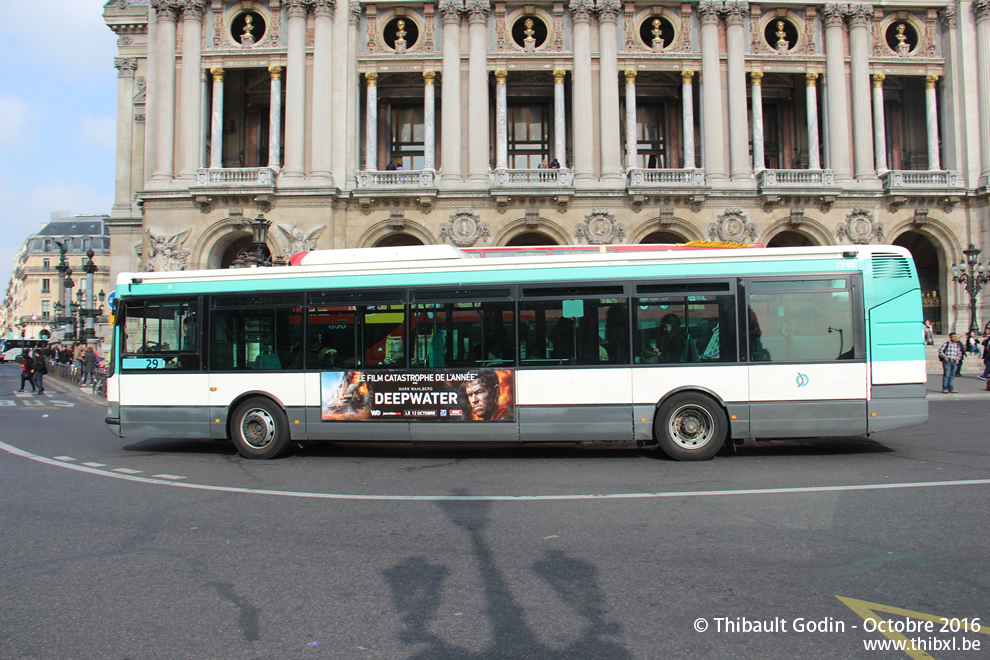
<point>690,427</point>
<point>259,429</point>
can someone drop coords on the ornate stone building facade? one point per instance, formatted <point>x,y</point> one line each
<point>389,122</point>
<point>65,261</point>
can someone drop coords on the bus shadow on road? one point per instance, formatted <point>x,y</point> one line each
<point>811,447</point>
<point>174,446</point>
<point>797,447</point>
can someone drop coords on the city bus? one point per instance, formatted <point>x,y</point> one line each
<point>681,350</point>
<point>11,347</point>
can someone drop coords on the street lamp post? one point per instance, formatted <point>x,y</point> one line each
<point>258,255</point>
<point>89,268</point>
<point>972,275</point>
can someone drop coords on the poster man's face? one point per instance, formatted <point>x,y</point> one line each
<point>483,400</point>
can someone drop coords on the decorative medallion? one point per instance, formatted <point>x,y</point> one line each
<point>463,229</point>
<point>860,227</point>
<point>732,225</point>
<point>600,228</point>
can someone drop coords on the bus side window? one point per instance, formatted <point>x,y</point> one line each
<point>801,320</point>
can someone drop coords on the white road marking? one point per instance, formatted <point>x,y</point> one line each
<point>10,449</point>
<point>125,470</point>
<point>166,476</point>
<point>95,464</point>
<point>64,458</point>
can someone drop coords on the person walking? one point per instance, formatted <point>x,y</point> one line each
<point>951,356</point>
<point>40,369</point>
<point>89,365</point>
<point>929,333</point>
<point>27,371</point>
<point>986,355</point>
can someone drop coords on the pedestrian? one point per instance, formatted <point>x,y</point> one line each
<point>929,333</point>
<point>986,355</point>
<point>27,370</point>
<point>89,365</point>
<point>951,356</point>
<point>40,369</point>
<point>78,352</point>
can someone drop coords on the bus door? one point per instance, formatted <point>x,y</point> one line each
<point>807,366</point>
<point>163,388</point>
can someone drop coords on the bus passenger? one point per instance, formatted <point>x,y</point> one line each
<point>671,344</point>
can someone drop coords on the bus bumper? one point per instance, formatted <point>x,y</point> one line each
<point>112,420</point>
<point>896,407</point>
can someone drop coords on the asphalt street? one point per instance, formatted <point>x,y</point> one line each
<point>159,548</point>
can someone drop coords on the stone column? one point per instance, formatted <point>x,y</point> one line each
<point>151,105</point>
<point>190,119</point>
<point>165,108</point>
<point>859,51</point>
<point>216,119</point>
<point>811,100</point>
<point>582,120</point>
<point>757,91</point>
<point>450,101</point>
<point>954,144</point>
<point>353,79</point>
<point>630,118</point>
<point>429,121</point>
<point>126,66</point>
<point>559,119</point>
<point>982,9</point>
<point>205,116</point>
<point>735,16</point>
<point>295,92</point>
<point>879,130</point>
<point>479,159</point>
<point>711,92</point>
<point>838,115</point>
<point>275,118</point>
<point>608,91</point>
<point>931,108</point>
<point>501,121</point>
<point>371,122</point>
<point>687,118</point>
<point>321,142</point>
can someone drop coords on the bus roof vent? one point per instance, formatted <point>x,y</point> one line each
<point>890,266</point>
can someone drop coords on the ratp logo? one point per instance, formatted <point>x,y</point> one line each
<point>802,379</point>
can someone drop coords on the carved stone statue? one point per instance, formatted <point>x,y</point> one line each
<point>299,241</point>
<point>165,253</point>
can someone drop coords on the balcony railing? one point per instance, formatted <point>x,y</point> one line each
<point>796,178</point>
<point>235,177</point>
<point>666,178</point>
<point>538,178</point>
<point>920,179</point>
<point>396,179</point>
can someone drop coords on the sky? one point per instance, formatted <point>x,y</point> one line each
<point>58,108</point>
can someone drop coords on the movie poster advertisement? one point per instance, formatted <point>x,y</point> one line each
<point>482,395</point>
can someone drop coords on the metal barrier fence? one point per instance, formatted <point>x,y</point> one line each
<point>71,374</point>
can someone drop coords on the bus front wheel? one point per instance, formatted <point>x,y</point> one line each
<point>690,427</point>
<point>259,429</point>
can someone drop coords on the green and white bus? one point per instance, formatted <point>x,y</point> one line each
<point>680,349</point>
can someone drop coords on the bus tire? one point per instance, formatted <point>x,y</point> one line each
<point>690,427</point>
<point>259,429</point>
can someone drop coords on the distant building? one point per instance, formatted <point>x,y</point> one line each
<point>34,305</point>
<point>393,122</point>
